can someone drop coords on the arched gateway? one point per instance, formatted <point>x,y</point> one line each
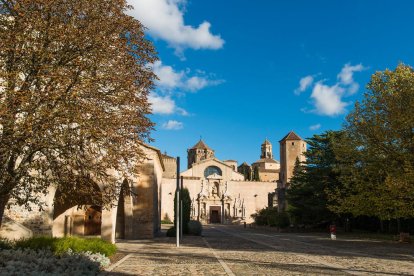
<point>134,214</point>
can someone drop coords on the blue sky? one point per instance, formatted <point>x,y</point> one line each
<point>238,71</point>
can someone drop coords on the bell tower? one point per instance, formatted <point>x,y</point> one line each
<point>266,151</point>
<point>199,152</point>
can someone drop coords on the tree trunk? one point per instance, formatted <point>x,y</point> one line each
<point>3,201</point>
<point>382,225</point>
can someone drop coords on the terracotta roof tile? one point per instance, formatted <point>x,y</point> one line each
<point>201,145</point>
<point>291,136</point>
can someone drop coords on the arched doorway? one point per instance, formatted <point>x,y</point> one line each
<point>123,226</point>
<point>93,220</point>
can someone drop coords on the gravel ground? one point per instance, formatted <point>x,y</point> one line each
<point>233,250</point>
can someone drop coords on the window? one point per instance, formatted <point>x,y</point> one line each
<point>212,170</point>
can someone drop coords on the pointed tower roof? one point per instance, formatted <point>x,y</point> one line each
<point>201,145</point>
<point>244,164</point>
<point>266,142</point>
<point>291,136</point>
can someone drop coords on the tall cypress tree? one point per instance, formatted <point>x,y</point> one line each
<point>256,176</point>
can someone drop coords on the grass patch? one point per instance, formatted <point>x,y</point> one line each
<point>62,245</point>
<point>5,244</point>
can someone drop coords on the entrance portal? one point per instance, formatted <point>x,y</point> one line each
<point>93,220</point>
<point>215,212</point>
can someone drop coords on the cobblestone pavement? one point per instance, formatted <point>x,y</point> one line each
<point>233,250</point>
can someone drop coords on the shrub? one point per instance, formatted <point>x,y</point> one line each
<point>62,245</point>
<point>271,217</point>
<point>195,228</point>
<point>5,244</point>
<point>166,219</point>
<point>282,220</point>
<point>266,216</point>
<point>43,262</point>
<point>171,232</point>
<point>94,257</point>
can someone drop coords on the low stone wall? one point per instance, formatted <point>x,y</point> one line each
<point>39,222</point>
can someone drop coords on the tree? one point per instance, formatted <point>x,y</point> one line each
<point>245,170</point>
<point>312,180</point>
<point>185,211</point>
<point>376,153</point>
<point>74,81</point>
<point>256,176</point>
<point>185,196</point>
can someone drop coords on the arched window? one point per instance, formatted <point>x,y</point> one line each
<point>212,170</point>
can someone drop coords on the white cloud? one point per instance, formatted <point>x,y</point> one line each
<point>304,84</point>
<point>315,127</point>
<point>170,79</point>
<point>165,20</point>
<point>347,72</point>
<point>164,105</point>
<point>172,125</point>
<point>161,105</point>
<point>329,100</point>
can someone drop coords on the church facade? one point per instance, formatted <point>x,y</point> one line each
<point>221,191</point>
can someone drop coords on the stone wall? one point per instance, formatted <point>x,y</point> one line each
<point>38,221</point>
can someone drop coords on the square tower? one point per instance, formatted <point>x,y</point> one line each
<point>292,147</point>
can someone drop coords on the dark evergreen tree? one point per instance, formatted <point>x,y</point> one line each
<point>185,195</point>
<point>312,180</point>
<point>256,176</point>
<point>186,209</point>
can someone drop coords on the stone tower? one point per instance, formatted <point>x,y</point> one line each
<point>292,147</point>
<point>199,152</point>
<point>266,150</point>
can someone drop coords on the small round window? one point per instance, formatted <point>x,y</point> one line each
<point>212,170</point>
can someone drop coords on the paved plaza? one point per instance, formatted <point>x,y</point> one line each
<point>233,250</point>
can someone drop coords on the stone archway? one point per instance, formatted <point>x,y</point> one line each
<point>123,228</point>
<point>78,211</point>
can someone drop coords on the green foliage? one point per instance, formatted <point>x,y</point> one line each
<point>312,180</point>
<point>246,171</point>
<point>5,244</point>
<point>282,220</point>
<point>185,195</point>
<point>376,154</point>
<point>195,228</point>
<point>271,217</point>
<point>62,245</point>
<point>171,232</point>
<point>166,220</point>
<point>256,176</point>
<point>186,211</point>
